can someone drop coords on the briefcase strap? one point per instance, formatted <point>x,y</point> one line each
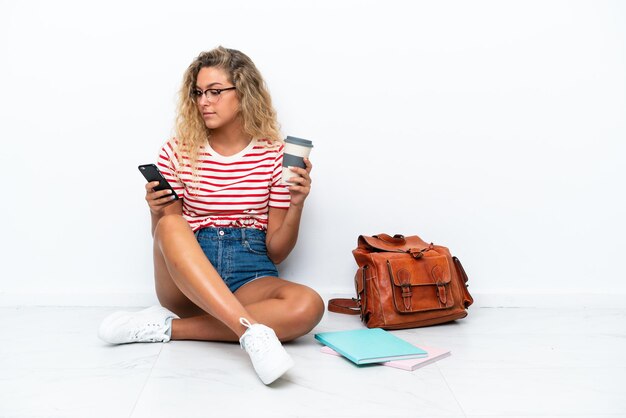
<point>345,306</point>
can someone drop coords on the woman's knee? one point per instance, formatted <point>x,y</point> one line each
<point>312,306</point>
<point>305,312</point>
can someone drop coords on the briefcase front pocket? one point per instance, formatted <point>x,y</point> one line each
<point>420,285</point>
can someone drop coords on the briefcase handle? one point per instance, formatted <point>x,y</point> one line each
<point>397,239</point>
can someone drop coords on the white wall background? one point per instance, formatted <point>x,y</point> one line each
<point>497,128</point>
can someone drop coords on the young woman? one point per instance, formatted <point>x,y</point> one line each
<point>215,248</point>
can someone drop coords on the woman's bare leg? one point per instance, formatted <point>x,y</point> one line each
<point>290,309</point>
<point>183,273</point>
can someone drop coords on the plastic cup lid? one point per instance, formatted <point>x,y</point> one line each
<point>299,141</point>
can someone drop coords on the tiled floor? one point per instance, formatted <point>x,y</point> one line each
<point>504,363</point>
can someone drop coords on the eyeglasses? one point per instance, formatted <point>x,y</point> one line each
<point>212,95</point>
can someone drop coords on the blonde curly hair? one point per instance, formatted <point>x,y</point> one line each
<point>256,110</point>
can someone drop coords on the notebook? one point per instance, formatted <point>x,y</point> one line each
<point>370,345</point>
<point>434,354</point>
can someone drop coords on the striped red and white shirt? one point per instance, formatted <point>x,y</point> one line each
<point>234,191</point>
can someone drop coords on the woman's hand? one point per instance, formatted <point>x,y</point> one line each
<point>301,184</point>
<point>158,201</point>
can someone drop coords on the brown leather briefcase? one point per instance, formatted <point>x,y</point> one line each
<point>404,282</point>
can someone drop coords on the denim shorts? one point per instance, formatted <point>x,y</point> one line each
<point>238,254</point>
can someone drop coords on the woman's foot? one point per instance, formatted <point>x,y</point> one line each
<point>269,358</point>
<point>152,325</point>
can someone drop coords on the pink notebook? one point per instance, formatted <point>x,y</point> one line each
<point>434,354</point>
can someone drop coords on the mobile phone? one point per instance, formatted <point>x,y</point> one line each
<point>151,173</point>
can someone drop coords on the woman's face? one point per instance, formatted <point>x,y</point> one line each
<point>221,109</point>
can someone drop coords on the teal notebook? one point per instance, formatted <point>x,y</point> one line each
<point>364,346</point>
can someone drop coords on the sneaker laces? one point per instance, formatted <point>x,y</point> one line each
<point>148,332</point>
<point>256,339</point>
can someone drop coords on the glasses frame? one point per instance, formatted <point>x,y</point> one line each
<point>216,93</point>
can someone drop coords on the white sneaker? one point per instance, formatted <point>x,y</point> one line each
<point>269,358</point>
<point>148,325</point>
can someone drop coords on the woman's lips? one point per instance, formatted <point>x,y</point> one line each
<point>208,114</point>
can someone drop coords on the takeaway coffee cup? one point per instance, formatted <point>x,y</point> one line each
<point>296,149</point>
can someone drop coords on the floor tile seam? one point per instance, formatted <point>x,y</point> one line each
<point>143,388</point>
<point>96,368</point>
<point>567,366</point>
<point>574,415</point>
<point>442,369</point>
<point>451,391</point>
<point>544,415</point>
<point>366,416</point>
<point>113,369</point>
<point>360,415</point>
<point>559,368</point>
